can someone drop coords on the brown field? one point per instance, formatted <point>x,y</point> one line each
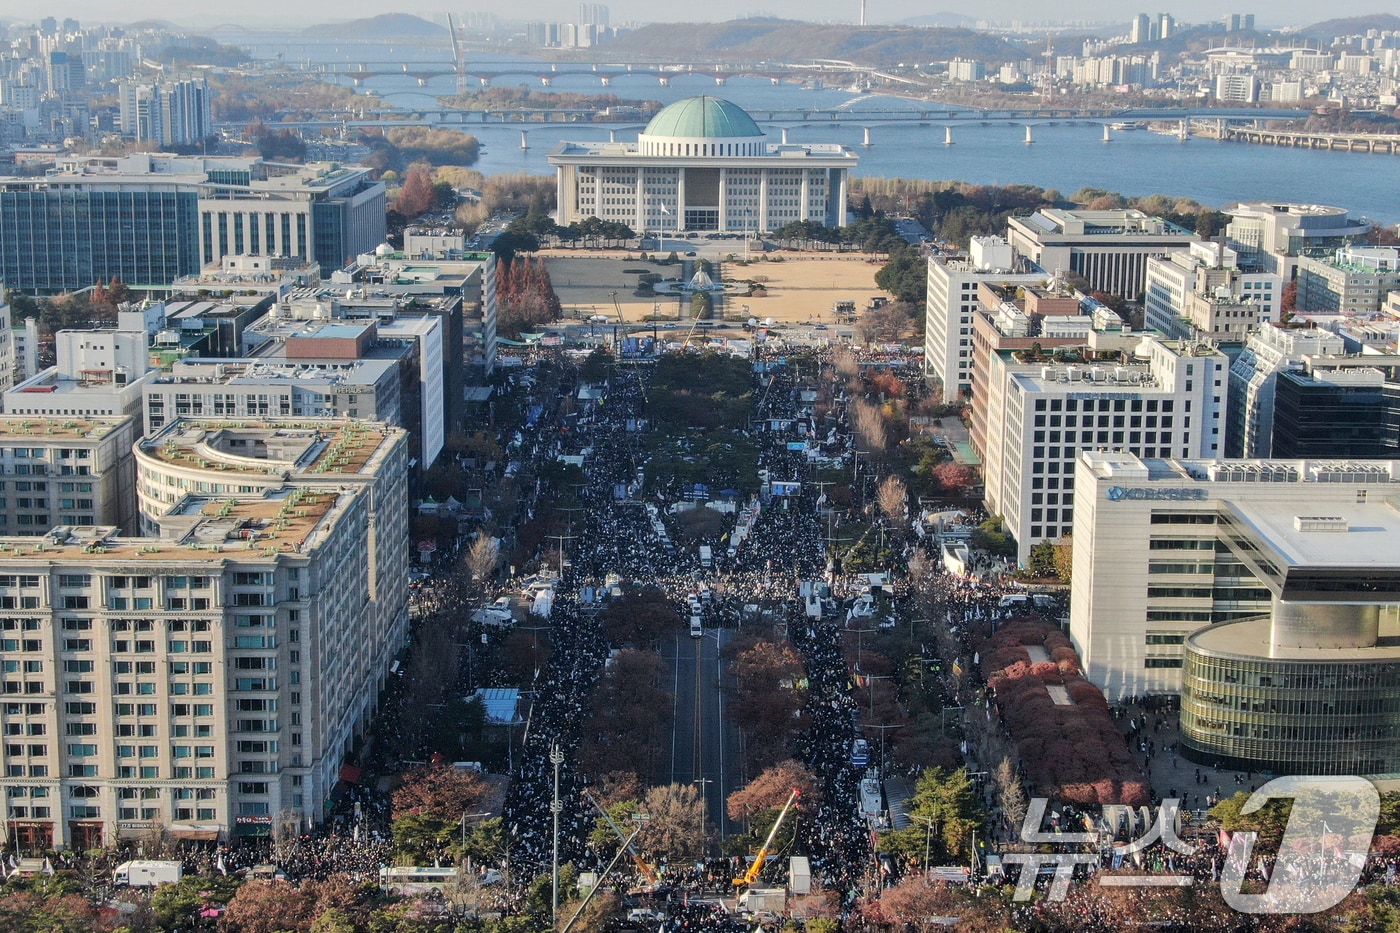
<point>801,287</point>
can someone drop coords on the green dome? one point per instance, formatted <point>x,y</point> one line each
<point>703,118</point>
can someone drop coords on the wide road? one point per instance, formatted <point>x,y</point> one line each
<point>704,746</point>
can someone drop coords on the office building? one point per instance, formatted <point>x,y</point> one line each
<point>702,164</point>
<point>1198,293</point>
<point>1263,592</point>
<point>78,224</point>
<point>1109,249</point>
<point>1269,236</point>
<point>97,374</point>
<point>1338,407</point>
<point>1269,351</point>
<point>1023,317</point>
<point>208,679</point>
<point>66,471</point>
<point>1354,279</point>
<point>252,388</point>
<point>1120,391</point>
<point>952,299</point>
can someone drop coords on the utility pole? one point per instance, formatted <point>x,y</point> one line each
<point>556,757</point>
<point>561,539</point>
<point>882,727</point>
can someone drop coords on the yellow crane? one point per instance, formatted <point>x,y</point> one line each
<point>752,874</point>
<point>643,866</point>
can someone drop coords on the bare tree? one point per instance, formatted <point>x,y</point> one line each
<point>484,556</point>
<point>894,498</point>
<point>870,425</point>
<point>1011,796</point>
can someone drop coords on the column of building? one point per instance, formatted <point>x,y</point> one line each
<point>806,193</point>
<point>680,199</point>
<point>641,225</point>
<point>724,198</point>
<point>762,199</point>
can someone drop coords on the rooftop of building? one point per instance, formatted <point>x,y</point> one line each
<point>1121,465</point>
<point>269,447</point>
<point>282,521</point>
<point>1123,222</point>
<point>703,117</point>
<point>58,428</point>
<point>256,371</point>
<point>1337,535</point>
<point>1250,638</point>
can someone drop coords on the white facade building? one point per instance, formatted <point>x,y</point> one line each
<point>1155,399</point>
<point>1198,293</point>
<point>1108,248</point>
<point>952,300</point>
<point>1148,568</point>
<point>702,164</point>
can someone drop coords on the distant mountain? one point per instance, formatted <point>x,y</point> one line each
<point>153,25</point>
<point>1351,26</point>
<point>787,40</point>
<point>948,20</point>
<point>386,24</point>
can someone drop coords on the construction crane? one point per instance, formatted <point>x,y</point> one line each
<point>752,874</point>
<point>643,866</point>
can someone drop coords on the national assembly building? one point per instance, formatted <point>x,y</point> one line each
<point>702,164</point>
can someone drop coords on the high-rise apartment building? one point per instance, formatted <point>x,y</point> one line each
<point>209,678</point>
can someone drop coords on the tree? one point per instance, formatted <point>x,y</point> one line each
<point>955,477</point>
<point>1041,561</point>
<point>31,912</point>
<point>1011,796</point>
<point>949,800</point>
<point>439,791</point>
<point>905,276</point>
<point>702,306</point>
<point>770,790</point>
<point>483,557</point>
<point>678,828</point>
<point>417,195</point>
<point>893,498</point>
<point>278,907</point>
<point>1064,559</point>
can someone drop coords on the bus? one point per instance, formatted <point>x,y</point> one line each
<point>408,880</point>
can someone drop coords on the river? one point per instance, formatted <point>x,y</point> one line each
<point>1063,156</point>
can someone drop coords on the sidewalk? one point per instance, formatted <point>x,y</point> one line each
<point>1174,776</point>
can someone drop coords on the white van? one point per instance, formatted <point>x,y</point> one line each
<point>696,629</point>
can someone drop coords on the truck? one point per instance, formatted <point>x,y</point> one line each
<point>145,873</point>
<point>707,556</point>
<point>755,900</point>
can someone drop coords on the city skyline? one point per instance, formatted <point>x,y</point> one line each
<point>263,13</point>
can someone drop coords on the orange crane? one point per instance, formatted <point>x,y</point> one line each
<point>752,874</point>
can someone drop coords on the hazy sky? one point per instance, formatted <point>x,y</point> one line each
<point>261,12</point>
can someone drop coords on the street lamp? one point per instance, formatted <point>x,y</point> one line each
<point>556,758</point>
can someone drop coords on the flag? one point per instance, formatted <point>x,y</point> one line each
<point>1224,841</point>
<point>48,867</point>
<point>957,669</point>
<point>222,870</point>
<point>663,208</point>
